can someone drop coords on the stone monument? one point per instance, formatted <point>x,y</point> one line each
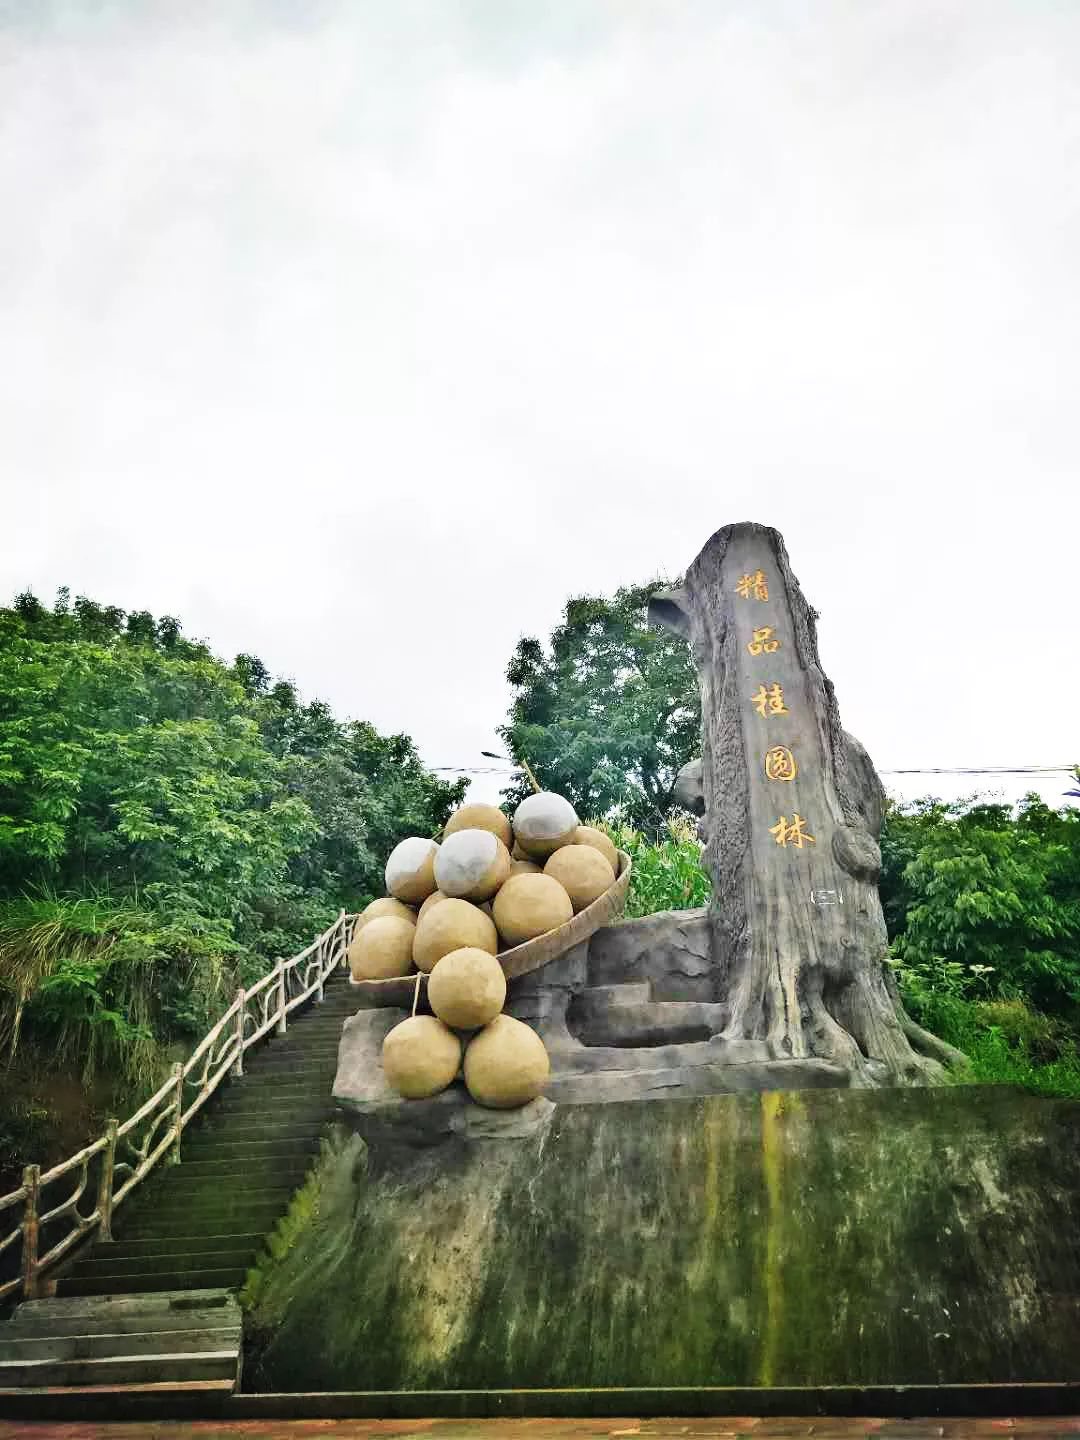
<point>840,1222</point>
<point>781,983</point>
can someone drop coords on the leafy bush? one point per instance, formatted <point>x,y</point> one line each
<point>667,873</point>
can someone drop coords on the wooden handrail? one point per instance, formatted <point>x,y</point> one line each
<point>154,1130</point>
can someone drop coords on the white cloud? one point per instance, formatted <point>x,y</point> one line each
<point>361,336</point>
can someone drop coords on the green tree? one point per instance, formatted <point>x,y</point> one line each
<point>607,713</point>
<point>983,899</point>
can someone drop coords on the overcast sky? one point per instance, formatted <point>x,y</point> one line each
<point>361,335</point>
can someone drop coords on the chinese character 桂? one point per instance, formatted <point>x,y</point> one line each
<point>794,833</point>
<point>770,701</point>
<point>753,587</point>
<point>780,764</point>
<point>763,643</point>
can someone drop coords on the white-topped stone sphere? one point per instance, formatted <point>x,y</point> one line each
<point>451,925</point>
<point>382,949</point>
<point>528,906</point>
<point>582,872</point>
<point>420,1057</point>
<point>410,871</point>
<point>471,865</point>
<point>386,906</point>
<point>543,822</point>
<point>481,817</point>
<point>467,988</point>
<point>506,1064</point>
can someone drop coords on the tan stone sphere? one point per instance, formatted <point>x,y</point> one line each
<point>410,871</point>
<point>467,988</point>
<point>517,853</point>
<point>582,872</point>
<point>386,906</point>
<point>543,822</point>
<point>420,1057</point>
<point>530,905</point>
<point>452,925</point>
<point>382,949</point>
<point>506,1064</point>
<point>481,817</point>
<point>431,901</point>
<point>525,867</point>
<point>471,865</point>
<point>589,835</point>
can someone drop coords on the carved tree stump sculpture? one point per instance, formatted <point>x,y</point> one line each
<point>792,813</point>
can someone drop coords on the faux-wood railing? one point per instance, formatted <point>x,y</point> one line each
<point>153,1132</point>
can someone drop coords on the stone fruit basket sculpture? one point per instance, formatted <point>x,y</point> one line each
<point>491,902</point>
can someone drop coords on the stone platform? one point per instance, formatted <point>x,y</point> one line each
<point>809,1238</point>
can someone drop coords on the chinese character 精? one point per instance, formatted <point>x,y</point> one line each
<point>753,586</point>
<point>770,701</point>
<point>763,643</point>
<point>780,764</point>
<point>794,833</point>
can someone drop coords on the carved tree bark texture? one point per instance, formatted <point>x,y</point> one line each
<point>799,932</point>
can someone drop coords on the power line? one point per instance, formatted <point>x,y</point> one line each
<point>925,770</point>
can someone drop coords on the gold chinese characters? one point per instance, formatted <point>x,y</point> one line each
<point>763,643</point>
<point>792,832</point>
<point>770,701</point>
<point>780,764</point>
<point>753,587</point>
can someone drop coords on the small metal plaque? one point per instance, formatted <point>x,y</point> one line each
<point>821,898</point>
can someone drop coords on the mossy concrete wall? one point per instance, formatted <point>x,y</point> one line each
<point>799,1238</point>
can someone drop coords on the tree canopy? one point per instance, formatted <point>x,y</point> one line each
<point>168,821</point>
<point>608,712</point>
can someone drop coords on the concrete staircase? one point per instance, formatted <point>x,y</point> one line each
<point>153,1309</point>
<point>183,1341</point>
<point>200,1224</point>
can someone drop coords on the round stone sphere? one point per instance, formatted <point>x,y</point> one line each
<point>382,949</point>
<point>471,865</point>
<point>429,904</point>
<point>543,822</point>
<point>467,988</point>
<point>410,871</point>
<point>452,925</point>
<point>589,835</point>
<point>420,1057</point>
<point>506,1064</point>
<point>582,872</point>
<point>386,906</point>
<point>481,817</point>
<point>530,905</point>
<point>525,867</point>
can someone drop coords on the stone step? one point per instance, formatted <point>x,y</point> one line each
<point>637,992</point>
<point>655,1023</point>
<point>189,1180</point>
<point>213,1257</point>
<point>83,1346</point>
<point>164,1279</point>
<point>142,1369</point>
<point>194,1309</point>
<point>179,1244</point>
<point>248,1128</point>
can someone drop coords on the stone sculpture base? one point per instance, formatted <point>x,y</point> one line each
<point>843,1237</point>
<point>634,1012</point>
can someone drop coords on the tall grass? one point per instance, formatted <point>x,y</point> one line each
<point>667,873</point>
<point>107,986</point>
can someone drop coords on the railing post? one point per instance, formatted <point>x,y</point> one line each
<point>31,1179</point>
<point>105,1182</point>
<point>320,956</point>
<point>178,1081</point>
<point>282,1020</point>
<point>343,921</point>
<point>238,1063</point>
